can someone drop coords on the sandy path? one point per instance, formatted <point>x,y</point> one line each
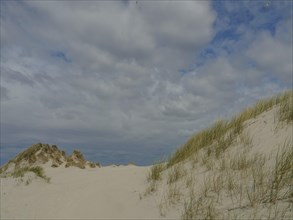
<point>108,192</point>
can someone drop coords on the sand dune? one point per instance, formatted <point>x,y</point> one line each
<point>241,169</point>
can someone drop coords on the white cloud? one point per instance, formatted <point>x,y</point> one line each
<point>120,86</point>
<point>272,54</point>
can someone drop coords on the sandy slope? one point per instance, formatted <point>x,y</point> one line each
<point>108,192</point>
<point>267,138</point>
<point>118,192</point>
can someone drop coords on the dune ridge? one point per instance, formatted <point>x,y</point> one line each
<point>41,154</point>
<point>236,169</point>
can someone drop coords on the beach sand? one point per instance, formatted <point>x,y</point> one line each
<point>106,193</point>
<point>121,192</point>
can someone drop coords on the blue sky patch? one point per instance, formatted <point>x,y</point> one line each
<point>60,55</point>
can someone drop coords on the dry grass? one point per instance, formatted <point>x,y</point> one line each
<point>176,173</point>
<point>222,144</point>
<point>198,141</point>
<point>153,177</point>
<point>173,194</point>
<point>224,132</point>
<point>246,140</point>
<point>286,108</point>
<point>155,172</point>
<point>282,174</point>
<point>197,207</point>
<point>242,161</point>
<point>29,152</point>
<point>237,184</point>
<point>255,189</point>
<point>39,171</point>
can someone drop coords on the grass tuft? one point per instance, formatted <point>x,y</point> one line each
<point>176,173</point>
<point>198,141</point>
<point>155,172</point>
<point>282,174</point>
<point>286,108</point>
<point>29,153</point>
<point>39,171</point>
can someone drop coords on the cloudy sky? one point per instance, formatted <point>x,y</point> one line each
<point>125,81</point>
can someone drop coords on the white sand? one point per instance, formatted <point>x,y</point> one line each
<point>103,193</point>
<point>268,136</point>
<point>116,192</point>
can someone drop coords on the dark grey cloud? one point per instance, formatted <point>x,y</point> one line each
<point>10,75</point>
<point>4,94</point>
<point>115,78</point>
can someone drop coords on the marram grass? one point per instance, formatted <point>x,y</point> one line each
<point>39,171</point>
<point>155,172</point>
<point>256,185</point>
<point>250,183</point>
<point>223,132</point>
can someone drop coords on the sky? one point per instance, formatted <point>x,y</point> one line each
<point>131,81</point>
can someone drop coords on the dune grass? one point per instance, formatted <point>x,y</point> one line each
<point>39,171</point>
<point>286,108</point>
<point>282,174</point>
<point>252,185</point>
<point>258,187</point>
<point>224,132</point>
<point>154,176</point>
<point>176,173</point>
<point>198,141</point>
<point>196,207</point>
<point>30,152</point>
<point>255,185</point>
<point>155,172</point>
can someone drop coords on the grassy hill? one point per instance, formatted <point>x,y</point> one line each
<point>236,169</point>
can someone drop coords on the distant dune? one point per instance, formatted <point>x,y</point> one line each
<point>236,169</point>
<point>41,154</point>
